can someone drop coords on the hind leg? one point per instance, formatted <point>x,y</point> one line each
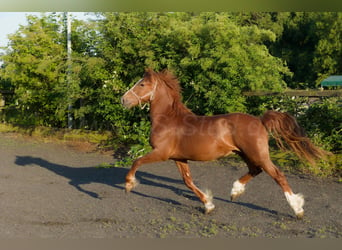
<point>240,184</point>
<point>296,201</point>
<point>258,162</point>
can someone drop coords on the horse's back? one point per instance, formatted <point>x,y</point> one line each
<point>211,137</point>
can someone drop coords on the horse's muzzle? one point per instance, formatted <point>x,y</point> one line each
<point>125,102</point>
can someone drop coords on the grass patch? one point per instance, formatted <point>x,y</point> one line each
<point>289,162</point>
<point>7,128</point>
<point>65,135</point>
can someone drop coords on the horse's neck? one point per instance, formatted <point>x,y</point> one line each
<point>166,109</point>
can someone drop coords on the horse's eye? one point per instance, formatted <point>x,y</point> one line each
<point>142,85</point>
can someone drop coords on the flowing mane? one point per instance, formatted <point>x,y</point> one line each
<point>171,81</point>
<point>174,89</point>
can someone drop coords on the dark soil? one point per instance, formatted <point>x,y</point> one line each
<point>50,190</point>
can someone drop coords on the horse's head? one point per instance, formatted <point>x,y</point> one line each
<point>142,92</point>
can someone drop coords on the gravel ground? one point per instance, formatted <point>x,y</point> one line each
<point>50,190</point>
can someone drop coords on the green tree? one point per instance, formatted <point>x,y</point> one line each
<point>34,64</point>
<point>214,57</point>
<point>328,51</point>
<point>322,121</point>
<point>311,46</point>
<point>273,21</point>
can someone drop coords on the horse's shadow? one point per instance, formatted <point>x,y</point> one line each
<point>78,176</point>
<point>115,177</point>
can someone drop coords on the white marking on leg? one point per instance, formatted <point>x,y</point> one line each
<point>296,201</point>
<point>237,190</point>
<point>209,206</point>
<point>132,183</point>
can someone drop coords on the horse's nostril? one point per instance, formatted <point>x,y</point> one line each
<point>125,102</point>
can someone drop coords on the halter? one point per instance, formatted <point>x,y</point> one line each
<point>151,93</point>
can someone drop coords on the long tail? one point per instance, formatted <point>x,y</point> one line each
<point>283,126</point>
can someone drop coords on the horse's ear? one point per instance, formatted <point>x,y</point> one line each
<point>149,73</point>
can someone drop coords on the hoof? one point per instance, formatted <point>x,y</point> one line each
<point>300,215</point>
<point>131,184</point>
<point>296,201</point>
<point>234,197</point>
<point>128,188</point>
<point>209,207</point>
<point>237,190</point>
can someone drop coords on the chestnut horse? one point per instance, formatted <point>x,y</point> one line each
<point>180,135</point>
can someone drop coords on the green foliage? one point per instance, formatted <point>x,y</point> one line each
<point>214,57</point>
<point>139,143</point>
<point>322,121</point>
<point>290,163</point>
<point>34,64</point>
<point>311,46</point>
<point>328,51</point>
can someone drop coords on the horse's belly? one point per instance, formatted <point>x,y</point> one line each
<point>203,150</point>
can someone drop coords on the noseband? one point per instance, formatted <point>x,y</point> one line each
<point>139,98</point>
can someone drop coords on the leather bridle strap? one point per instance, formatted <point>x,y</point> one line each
<point>139,98</point>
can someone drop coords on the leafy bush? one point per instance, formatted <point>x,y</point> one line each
<point>322,121</point>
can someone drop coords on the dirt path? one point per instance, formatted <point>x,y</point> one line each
<point>48,190</point>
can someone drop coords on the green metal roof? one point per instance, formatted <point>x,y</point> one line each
<point>332,81</point>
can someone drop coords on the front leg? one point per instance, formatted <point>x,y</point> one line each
<point>153,156</point>
<point>205,197</point>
